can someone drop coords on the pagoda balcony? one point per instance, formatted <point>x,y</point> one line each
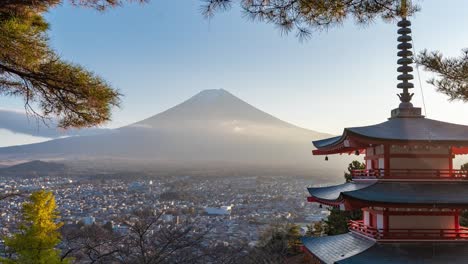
<point>425,174</point>
<point>408,234</point>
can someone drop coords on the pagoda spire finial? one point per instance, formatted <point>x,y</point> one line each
<point>406,59</point>
<point>405,109</point>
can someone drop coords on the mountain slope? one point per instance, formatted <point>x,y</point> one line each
<point>211,105</point>
<point>212,127</point>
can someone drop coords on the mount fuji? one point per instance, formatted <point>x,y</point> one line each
<point>211,128</point>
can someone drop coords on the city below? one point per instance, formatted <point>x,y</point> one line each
<point>234,209</point>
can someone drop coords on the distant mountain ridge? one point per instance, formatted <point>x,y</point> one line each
<point>211,128</point>
<point>35,168</point>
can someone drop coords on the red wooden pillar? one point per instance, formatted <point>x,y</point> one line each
<point>387,160</point>
<point>457,222</point>
<point>385,222</point>
<point>450,162</point>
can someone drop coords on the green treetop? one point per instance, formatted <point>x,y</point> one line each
<point>38,232</point>
<point>354,165</point>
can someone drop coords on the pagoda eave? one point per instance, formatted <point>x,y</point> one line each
<point>351,203</point>
<point>397,131</point>
<point>356,195</point>
<point>330,249</point>
<point>351,248</point>
<point>312,199</point>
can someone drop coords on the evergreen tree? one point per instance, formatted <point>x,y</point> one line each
<point>464,218</point>
<point>337,221</point>
<point>464,167</point>
<point>318,229</point>
<point>294,239</point>
<point>310,231</point>
<point>32,70</point>
<point>38,233</point>
<point>354,165</point>
<point>306,16</point>
<point>315,230</point>
<point>452,73</point>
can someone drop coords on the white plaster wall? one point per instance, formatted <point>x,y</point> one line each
<point>380,220</point>
<point>366,218</point>
<point>382,163</point>
<point>421,221</point>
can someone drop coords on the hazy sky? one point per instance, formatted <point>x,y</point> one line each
<point>161,53</point>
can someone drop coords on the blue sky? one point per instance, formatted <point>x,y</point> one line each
<point>161,53</point>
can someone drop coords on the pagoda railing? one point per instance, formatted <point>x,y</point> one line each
<point>408,234</point>
<point>409,174</point>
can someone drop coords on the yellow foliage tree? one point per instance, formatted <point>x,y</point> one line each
<point>38,233</point>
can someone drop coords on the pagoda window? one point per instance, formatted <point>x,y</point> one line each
<point>380,221</point>
<point>366,217</point>
<point>381,163</point>
<point>379,150</point>
<point>370,151</point>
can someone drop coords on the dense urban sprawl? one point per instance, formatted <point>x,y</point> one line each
<point>233,208</point>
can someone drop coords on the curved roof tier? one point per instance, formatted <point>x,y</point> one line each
<point>331,195</point>
<point>384,193</point>
<point>427,253</point>
<point>330,249</point>
<point>401,129</point>
<point>350,248</point>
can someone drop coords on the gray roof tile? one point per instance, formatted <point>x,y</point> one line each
<point>411,253</point>
<point>405,129</point>
<point>334,192</point>
<point>330,249</point>
<point>427,193</point>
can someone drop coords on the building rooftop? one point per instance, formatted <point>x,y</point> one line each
<point>403,129</point>
<point>350,248</point>
<point>333,193</point>
<point>419,193</point>
<point>415,253</point>
<point>330,249</point>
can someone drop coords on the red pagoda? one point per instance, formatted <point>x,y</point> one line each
<point>409,193</point>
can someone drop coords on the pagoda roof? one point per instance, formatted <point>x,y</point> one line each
<point>427,253</point>
<point>402,129</point>
<point>351,248</point>
<point>330,249</point>
<point>399,193</point>
<point>332,194</point>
